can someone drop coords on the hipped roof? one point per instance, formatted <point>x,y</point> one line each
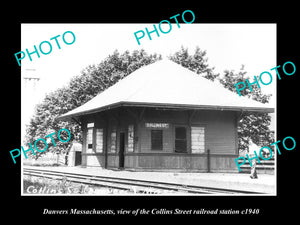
<point>169,85</point>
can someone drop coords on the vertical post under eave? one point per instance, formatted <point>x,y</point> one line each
<point>106,143</point>
<point>208,160</point>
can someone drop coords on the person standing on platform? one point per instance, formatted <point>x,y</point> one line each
<point>251,152</point>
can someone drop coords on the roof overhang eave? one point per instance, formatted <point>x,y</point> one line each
<point>166,106</point>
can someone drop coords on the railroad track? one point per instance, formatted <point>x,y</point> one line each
<point>139,186</point>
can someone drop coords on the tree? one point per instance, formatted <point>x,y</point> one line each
<point>254,126</point>
<point>81,88</point>
<point>196,62</point>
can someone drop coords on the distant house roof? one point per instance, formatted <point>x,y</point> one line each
<point>169,85</point>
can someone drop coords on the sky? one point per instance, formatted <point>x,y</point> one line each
<point>228,46</point>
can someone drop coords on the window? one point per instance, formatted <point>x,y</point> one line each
<point>113,141</point>
<point>180,139</point>
<point>130,138</point>
<point>156,140</point>
<point>198,139</point>
<point>89,140</point>
<point>99,140</point>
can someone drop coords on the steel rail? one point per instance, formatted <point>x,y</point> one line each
<point>129,184</point>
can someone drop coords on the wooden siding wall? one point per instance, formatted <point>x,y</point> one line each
<point>195,162</point>
<point>220,130</point>
<point>118,120</point>
<point>220,138</point>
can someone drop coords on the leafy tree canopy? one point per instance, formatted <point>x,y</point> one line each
<point>196,62</point>
<point>81,88</point>
<point>254,126</point>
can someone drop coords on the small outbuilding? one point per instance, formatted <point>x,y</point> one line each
<point>163,117</point>
<point>74,155</point>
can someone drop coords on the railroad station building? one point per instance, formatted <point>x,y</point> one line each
<point>163,117</point>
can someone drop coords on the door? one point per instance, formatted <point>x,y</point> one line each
<point>122,149</point>
<point>77,158</point>
<point>180,139</point>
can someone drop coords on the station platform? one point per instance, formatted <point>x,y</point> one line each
<point>266,183</point>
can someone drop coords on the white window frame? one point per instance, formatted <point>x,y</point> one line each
<point>99,140</point>
<point>197,139</point>
<point>89,139</point>
<point>130,139</point>
<point>113,141</point>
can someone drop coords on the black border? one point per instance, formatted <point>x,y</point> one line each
<point>95,12</point>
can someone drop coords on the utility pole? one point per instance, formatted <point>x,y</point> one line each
<point>29,96</point>
<point>30,80</point>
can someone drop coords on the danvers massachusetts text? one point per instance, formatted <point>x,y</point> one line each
<point>163,117</point>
